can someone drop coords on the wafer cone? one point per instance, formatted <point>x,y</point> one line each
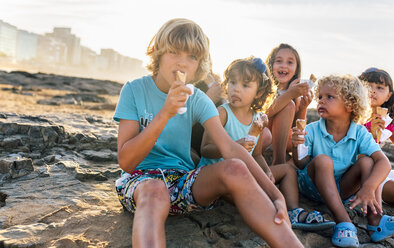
<point>181,76</point>
<point>375,130</point>
<point>313,78</point>
<point>300,123</point>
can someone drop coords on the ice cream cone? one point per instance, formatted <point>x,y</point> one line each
<point>311,81</point>
<point>313,78</point>
<point>257,125</point>
<point>181,76</point>
<point>300,123</point>
<point>375,130</point>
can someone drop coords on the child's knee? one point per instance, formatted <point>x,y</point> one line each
<point>322,161</point>
<point>235,168</point>
<point>366,163</point>
<point>152,192</point>
<point>291,170</point>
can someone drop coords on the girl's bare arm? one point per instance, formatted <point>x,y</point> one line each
<point>230,149</point>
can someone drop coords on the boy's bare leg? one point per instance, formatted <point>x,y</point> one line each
<point>153,205</point>
<point>258,211</point>
<point>352,181</point>
<point>321,171</point>
<point>388,192</point>
<point>280,128</point>
<point>286,176</point>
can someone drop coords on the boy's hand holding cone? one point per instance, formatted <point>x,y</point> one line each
<point>302,150</point>
<point>180,76</point>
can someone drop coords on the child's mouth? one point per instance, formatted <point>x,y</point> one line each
<point>321,110</point>
<point>282,73</point>
<point>235,99</point>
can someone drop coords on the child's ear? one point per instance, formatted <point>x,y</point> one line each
<point>258,94</point>
<point>388,96</point>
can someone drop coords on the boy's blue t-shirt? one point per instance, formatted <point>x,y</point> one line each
<point>344,153</point>
<point>141,100</point>
<point>235,129</point>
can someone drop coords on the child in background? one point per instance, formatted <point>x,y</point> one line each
<point>381,95</point>
<point>249,90</point>
<point>291,101</point>
<point>331,172</point>
<point>159,177</point>
<point>212,87</point>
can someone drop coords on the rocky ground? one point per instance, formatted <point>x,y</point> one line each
<point>58,165</point>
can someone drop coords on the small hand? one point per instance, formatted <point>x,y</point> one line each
<point>298,89</point>
<point>377,120</point>
<point>306,100</point>
<point>366,197</point>
<point>176,98</point>
<point>247,144</point>
<point>297,137</point>
<point>215,92</point>
<point>281,212</point>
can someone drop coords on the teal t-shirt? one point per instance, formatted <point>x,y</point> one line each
<point>235,129</point>
<point>141,100</point>
<point>343,153</point>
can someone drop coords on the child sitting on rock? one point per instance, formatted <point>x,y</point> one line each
<point>292,98</point>
<point>381,95</point>
<point>331,173</point>
<point>249,90</point>
<point>159,177</point>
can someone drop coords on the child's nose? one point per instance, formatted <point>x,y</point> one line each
<point>181,62</point>
<point>182,59</point>
<point>237,87</point>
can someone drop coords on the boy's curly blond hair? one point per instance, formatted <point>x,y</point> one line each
<point>180,35</point>
<point>353,92</point>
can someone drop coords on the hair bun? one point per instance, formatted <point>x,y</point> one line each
<point>260,66</point>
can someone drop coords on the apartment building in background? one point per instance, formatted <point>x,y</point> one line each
<point>62,50</point>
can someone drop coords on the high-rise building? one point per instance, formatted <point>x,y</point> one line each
<point>26,46</point>
<point>88,57</point>
<point>72,42</point>
<point>8,37</point>
<point>112,57</point>
<point>51,51</point>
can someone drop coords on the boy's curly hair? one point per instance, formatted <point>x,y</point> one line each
<point>378,76</point>
<point>180,35</point>
<point>245,70</point>
<point>353,92</point>
<point>271,59</point>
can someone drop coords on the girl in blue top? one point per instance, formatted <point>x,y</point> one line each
<point>249,90</point>
<point>331,172</point>
<point>154,147</point>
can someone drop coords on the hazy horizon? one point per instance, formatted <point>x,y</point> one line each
<point>332,37</point>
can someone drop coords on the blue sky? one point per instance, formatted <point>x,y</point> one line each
<point>332,37</point>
